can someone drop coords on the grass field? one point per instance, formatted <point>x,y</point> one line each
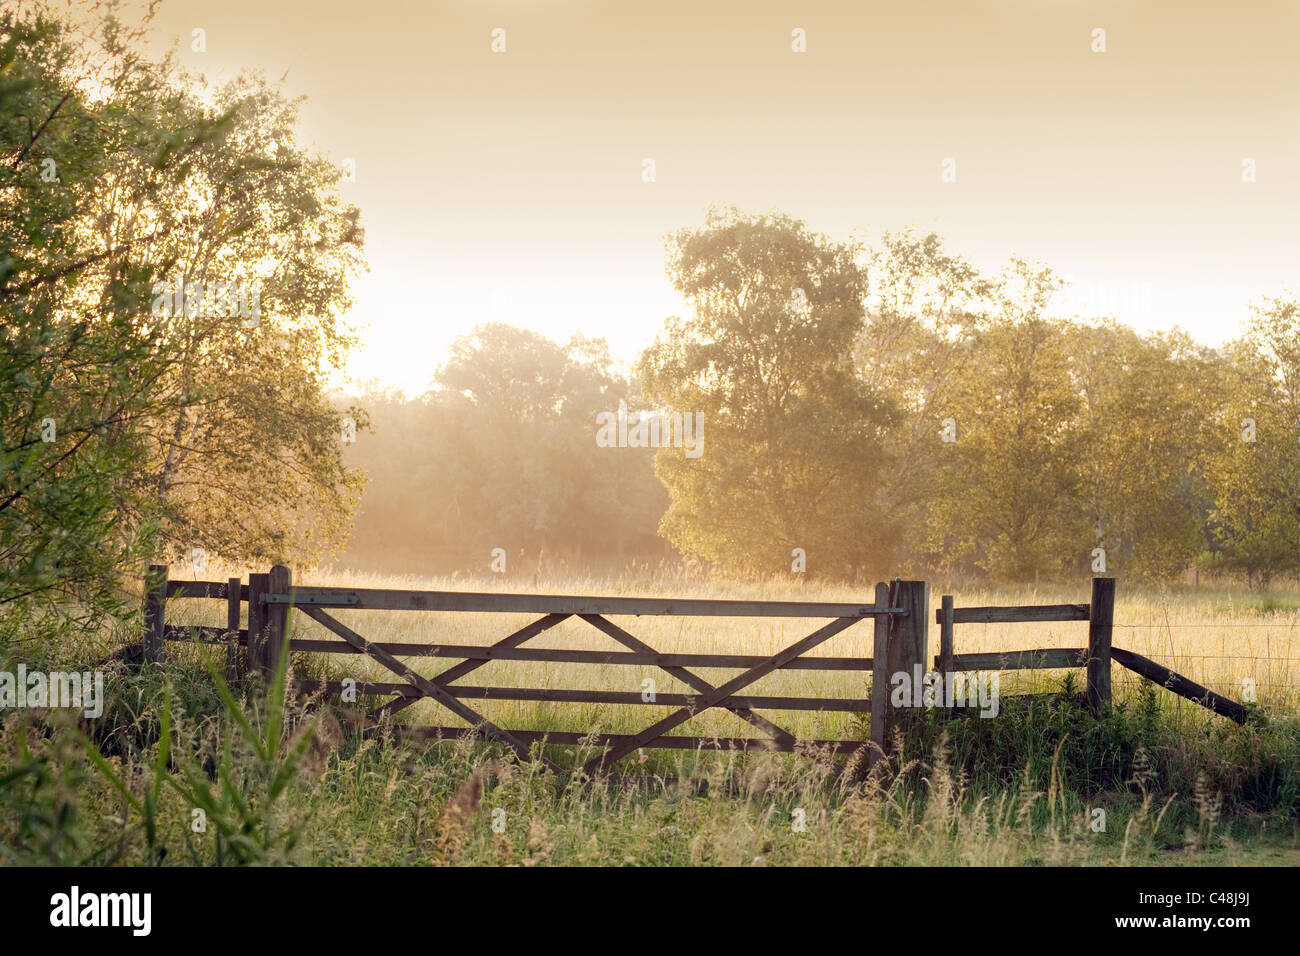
<point>1173,783</point>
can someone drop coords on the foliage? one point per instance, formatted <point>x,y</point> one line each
<point>792,438</point>
<point>133,422</point>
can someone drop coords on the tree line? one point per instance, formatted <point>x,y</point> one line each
<point>867,410</point>
<point>174,284</point>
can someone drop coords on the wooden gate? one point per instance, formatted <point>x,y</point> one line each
<point>896,610</point>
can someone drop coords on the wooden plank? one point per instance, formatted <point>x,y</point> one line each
<point>570,738</point>
<point>196,634</point>
<point>909,634</point>
<point>880,681</point>
<point>257,623</point>
<point>484,653</point>
<point>908,642</point>
<point>1100,628</point>
<point>1044,658</point>
<point>205,589</point>
<point>1180,685</point>
<point>280,581</point>
<point>1024,614</point>
<point>421,683</point>
<point>378,599</point>
<point>233,607</point>
<point>155,613</point>
<point>947,645</point>
<point>686,677</point>
<point>710,699</point>
<point>561,695</point>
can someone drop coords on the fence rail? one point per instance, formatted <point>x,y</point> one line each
<point>899,612</point>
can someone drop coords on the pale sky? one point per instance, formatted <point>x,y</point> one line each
<point>508,186</point>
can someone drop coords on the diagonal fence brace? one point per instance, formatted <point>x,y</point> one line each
<point>429,688</point>
<point>526,633</point>
<point>682,674</point>
<point>714,697</point>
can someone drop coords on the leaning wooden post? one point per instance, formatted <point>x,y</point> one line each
<point>258,584</point>
<point>233,602</point>
<point>277,617</point>
<point>1101,623</point>
<point>880,680</point>
<point>155,613</point>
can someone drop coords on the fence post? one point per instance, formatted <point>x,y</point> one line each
<point>258,584</point>
<point>155,613</point>
<point>277,616</point>
<point>233,602</point>
<point>947,644</point>
<point>902,651</point>
<point>880,679</point>
<point>909,641</point>
<point>1101,622</point>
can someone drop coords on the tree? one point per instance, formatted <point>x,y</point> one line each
<point>512,415</point>
<point>130,423</point>
<point>1143,440</point>
<point>1010,496</point>
<point>78,371</point>
<point>268,249</point>
<point>792,435</point>
<point>1255,468</point>
<point>924,306</point>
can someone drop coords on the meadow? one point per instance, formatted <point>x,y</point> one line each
<point>1175,784</point>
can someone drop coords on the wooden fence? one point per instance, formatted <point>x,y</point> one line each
<point>1097,657</point>
<point>899,612</point>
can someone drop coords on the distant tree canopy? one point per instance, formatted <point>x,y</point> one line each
<point>173,268</point>
<point>1254,462</point>
<point>903,411</point>
<point>501,454</point>
<point>865,412</point>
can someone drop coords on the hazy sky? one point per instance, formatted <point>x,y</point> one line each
<point>508,186</point>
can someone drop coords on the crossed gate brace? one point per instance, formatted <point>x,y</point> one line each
<point>710,696</point>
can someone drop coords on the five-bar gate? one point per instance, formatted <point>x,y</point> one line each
<point>896,612</point>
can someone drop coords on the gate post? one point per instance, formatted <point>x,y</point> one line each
<point>1101,623</point>
<point>277,617</point>
<point>880,679</point>
<point>900,649</point>
<point>155,613</point>
<point>258,584</point>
